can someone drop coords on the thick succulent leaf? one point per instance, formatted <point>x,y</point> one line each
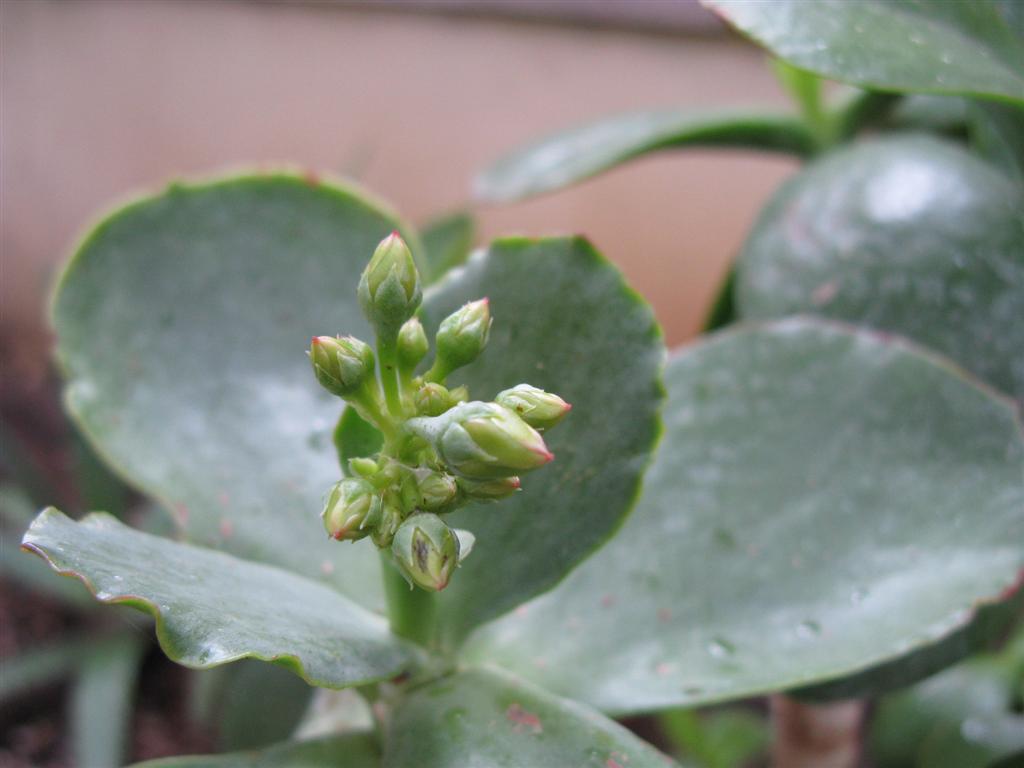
<point>354,750</point>
<point>931,46</point>
<point>480,717</point>
<point>182,322</point>
<point>212,608</point>
<point>564,321</point>
<point>824,500</point>
<point>906,234</point>
<point>582,152</point>
<point>447,242</point>
<point>102,698</point>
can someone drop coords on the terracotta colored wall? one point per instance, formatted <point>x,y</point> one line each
<point>103,98</point>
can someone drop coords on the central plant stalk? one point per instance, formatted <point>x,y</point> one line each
<point>440,450</point>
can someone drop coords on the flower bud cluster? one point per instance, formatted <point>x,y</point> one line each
<point>441,450</point>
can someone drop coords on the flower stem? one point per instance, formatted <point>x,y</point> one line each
<point>411,610</point>
<point>387,351</point>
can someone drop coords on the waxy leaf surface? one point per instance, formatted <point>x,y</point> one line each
<point>931,46</point>
<point>211,608</point>
<point>577,154</point>
<point>909,235</point>
<point>479,718</point>
<point>354,750</point>
<point>823,501</point>
<point>182,322</point>
<point>564,321</point>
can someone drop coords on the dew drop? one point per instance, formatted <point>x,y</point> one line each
<point>858,596</point>
<point>720,649</point>
<point>808,630</point>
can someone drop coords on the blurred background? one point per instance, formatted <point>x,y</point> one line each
<point>103,99</point>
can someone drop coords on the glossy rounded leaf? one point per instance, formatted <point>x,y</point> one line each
<point>211,608</point>
<point>823,501</point>
<point>480,717</point>
<point>564,321</point>
<point>909,235</point>
<point>182,324</point>
<point>577,154</point>
<point>931,46</point>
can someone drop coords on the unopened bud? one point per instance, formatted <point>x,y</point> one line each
<point>489,490</point>
<point>351,504</point>
<point>433,399</point>
<point>483,440</point>
<point>389,289</point>
<point>342,365</point>
<point>426,550</point>
<point>461,337</point>
<point>363,467</point>
<point>437,490</point>
<point>412,344</point>
<point>541,410</point>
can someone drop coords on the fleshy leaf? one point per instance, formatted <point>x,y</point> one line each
<point>823,501</point>
<point>182,320</point>
<point>481,717</point>
<point>577,154</point>
<point>211,608</point>
<point>564,321</point>
<point>930,46</point>
<point>353,750</point>
<point>909,235</point>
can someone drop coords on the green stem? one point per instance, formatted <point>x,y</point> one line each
<point>411,611</point>
<point>387,352</point>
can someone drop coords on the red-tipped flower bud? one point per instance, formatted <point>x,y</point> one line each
<point>541,410</point>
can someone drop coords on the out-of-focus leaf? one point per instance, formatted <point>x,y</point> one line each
<point>997,133</point>
<point>355,437</point>
<point>37,667</point>
<point>718,739</point>
<point>961,718</point>
<point>101,700</point>
<point>480,717</point>
<point>447,242</point>
<point>564,321</point>
<point>355,750</point>
<point>909,235</point>
<point>579,153</point>
<point>249,704</point>
<point>212,608</point>
<point>824,501</point>
<point>930,46</point>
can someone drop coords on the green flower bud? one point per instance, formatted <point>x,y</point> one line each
<point>433,399</point>
<point>389,289</point>
<point>489,490</point>
<point>437,490</point>
<point>342,365</point>
<point>426,550</point>
<point>460,394</point>
<point>540,409</point>
<point>412,344</point>
<point>351,505</point>
<point>363,467</point>
<point>386,524</point>
<point>462,337</point>
<point>483,440</point>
